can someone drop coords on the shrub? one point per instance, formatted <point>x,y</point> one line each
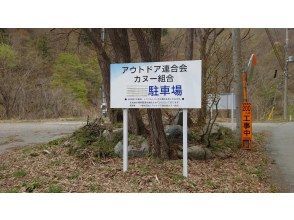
<point>89,142</point>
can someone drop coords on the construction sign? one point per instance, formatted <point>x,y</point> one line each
<point>246,125</point>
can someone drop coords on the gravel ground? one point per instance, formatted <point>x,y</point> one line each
<point>19,134</point>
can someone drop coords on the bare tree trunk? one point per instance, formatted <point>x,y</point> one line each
<point>150,51</point>
<point>120,43</point>
<point>202,112</point>
<point>7,111</point>
<point>237,86</point>
<point>189,44</point>
<point>189,56</point>
<point>136,124</point>
<point>203,35</point>
<point>104,63</point>
<point>207,38</point>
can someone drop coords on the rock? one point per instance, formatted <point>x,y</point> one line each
<point>220,154</point>
<point>136,153</point>
<point>196,152</point>
<point>118,149</point>
<point>224,153</point>
<point>145,146</point>
<point>107,135</point>
<point>208,153</point>
<point>173,131</point>
<point>132,151</point>
<point>117,134</point>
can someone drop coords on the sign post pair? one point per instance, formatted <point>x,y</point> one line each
<point>172,84</point>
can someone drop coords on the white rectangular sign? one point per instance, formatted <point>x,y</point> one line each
<point>226,101</point>
<point>173,84</point>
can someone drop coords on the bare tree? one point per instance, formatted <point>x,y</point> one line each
<point>95,36</point>
<point>189,43</point>
<point>149,46</point>
<point>120,44</point>
<point>207,38</point>
<point>189,56</point>
<point>206,46</point>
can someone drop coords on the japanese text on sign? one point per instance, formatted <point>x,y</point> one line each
<point>246,122</point>
<point>175,84</point>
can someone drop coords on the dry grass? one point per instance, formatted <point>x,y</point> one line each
<point>33,170</point>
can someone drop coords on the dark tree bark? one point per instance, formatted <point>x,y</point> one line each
<point>120,44</point>
<point>189,44</point>
<point>149,47</point>
<point>104,62</point>
<point>189,56</point>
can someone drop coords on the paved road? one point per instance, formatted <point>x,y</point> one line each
<point>25,133</point>
<point>281,149</point>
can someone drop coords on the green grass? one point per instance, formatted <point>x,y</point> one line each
<point>19,173</point>
<point>260,172</point>
<point>56,142</point>
<point>55,188</point>
<point>14,190</point>
<point>74,175</point>
<point>144,168</point>
<point>93,187</point>
<point>27,150</point>
<point>178,178</point>
<point>31,186</point>
<point>211,184</point>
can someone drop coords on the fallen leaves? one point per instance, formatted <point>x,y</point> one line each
<point>57,171</point>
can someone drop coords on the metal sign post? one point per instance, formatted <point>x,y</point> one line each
<point>125,139</point>
<point>185,142</point>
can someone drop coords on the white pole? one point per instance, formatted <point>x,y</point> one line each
<point>232,110</point>
<point>185,142</point>
<point>125,139</point>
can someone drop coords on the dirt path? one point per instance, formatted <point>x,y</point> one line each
<point>16,134</point>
